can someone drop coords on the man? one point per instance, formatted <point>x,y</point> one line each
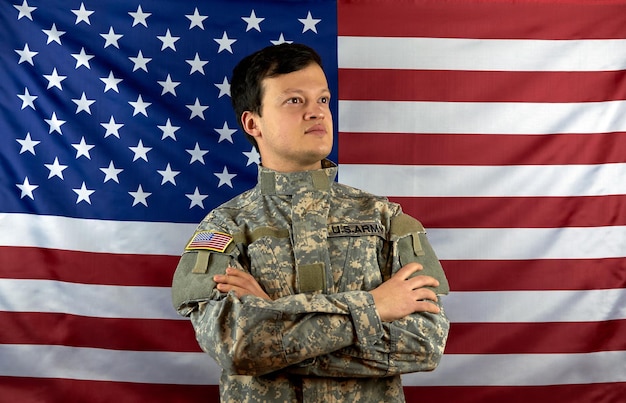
<point>303,289</point>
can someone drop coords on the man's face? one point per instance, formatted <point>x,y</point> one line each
<point>295,129</point>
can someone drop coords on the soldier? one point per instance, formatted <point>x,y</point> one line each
<point>303,289</point>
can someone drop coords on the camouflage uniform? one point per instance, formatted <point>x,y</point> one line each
<point>316,247</point>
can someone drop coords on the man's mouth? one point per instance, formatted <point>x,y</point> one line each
<point>316,129</point>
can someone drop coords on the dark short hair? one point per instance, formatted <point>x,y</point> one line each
<point>246,90</point>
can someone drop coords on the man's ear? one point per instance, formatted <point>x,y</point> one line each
<point>249,122</point>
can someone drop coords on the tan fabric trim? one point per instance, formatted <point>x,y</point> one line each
<point>202,262</point>
<point>268,231</point>
<point>311,277</point>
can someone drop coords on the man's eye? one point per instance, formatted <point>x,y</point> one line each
<point>293,101</point>
<point>324,100</point>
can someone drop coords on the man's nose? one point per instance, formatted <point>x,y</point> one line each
<point>314,112</point>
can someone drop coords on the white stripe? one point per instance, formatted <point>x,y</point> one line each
<point>105,301</point>
<point>535,306</point>
<point>87,235</point>
<point>481,117</point>
<point>486,181</point>
<point>200,369</point>
<point>481,54</point>
<point>529,243</point>
<point>108,365</point>
<point>524,370</point>
<point>493,306</point>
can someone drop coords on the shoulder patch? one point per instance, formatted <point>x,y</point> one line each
<point>403,225</point>
<point>209,240</point>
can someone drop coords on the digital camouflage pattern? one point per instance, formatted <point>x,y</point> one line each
<point>316,247</point>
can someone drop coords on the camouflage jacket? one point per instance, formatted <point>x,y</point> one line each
<point>316,247</point>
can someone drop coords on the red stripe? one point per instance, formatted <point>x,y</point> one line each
<point>85,267</point>
<point>547,338</point>
<point>38,390</point>
<point>586,393</point>
<point>477,149</point>
<point>484,19</point>
<point>509,274</point>
<point>516,212</point>
<point>481,86</point>
<point>107,333</point>
<point>465,338</point>
<point>152,335</point>
<point>31,390</point>
<point>545,274</point>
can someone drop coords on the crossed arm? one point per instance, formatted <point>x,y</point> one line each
<point>398,327</point>
<point>394,299</point>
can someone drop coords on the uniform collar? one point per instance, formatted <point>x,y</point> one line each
<point>288,183</point>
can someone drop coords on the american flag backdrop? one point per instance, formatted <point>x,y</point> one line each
<point>500,124</point>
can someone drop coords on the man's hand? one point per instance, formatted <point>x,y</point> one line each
<point>401,296</point>
<point>239,281</point>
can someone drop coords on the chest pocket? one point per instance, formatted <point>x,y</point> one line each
<point>272,264</point>
<point>358,254</point>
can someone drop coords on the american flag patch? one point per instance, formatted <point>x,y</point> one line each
<point>210,240</point>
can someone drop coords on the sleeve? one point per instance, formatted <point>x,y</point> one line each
<point>413,344</point>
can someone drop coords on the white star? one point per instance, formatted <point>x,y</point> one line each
<point>26,187</point>
<point>110,173</point>
<point>225,178</point>
<point>196,19</point>
<point>83,194</point>
<point>54,79</point>
<point>225,43</point>
<point>140,106</point>
<point>224,87</point>
<point>253,22</point>
<point>168,175</point>
<point>82,14</point>
<point>197,199</point>
<point>110,82</point>
<point>197,154</point>
<point>253,157</point>
<point>139,17</point>
<point>197,64</point>
<point>140,196</point>
<point>26,55</point>
<point>82,148</point>
<point>197,109</point>
<point>140,62</point>
<point>55,124</point>
<point>55,168</point>
<point>53,34</point>
<point>309,23</point>
<point>28,144</point>
<point>281,39</point>
<point>83,104</point>
<point>27,99</point>
<point>226,133</point>
<point>25,10</point>
<point>112,128</point>
<point>82,58</point>
<point>111,38</point>
<point>168,40</point>
<point>140,151</point>
<point>169,85</point>
<point>168,130</point>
